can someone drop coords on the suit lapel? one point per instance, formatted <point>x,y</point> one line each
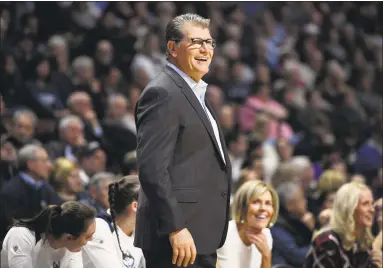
<point>190,96</point>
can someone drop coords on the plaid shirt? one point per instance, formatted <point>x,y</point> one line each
<point>327,251</point>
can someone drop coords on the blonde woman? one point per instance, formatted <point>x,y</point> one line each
<point>249,242</point>
<point>347,241</point>
<point>66,180</point>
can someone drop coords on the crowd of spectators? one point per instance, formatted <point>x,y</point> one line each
<point>297,87</point>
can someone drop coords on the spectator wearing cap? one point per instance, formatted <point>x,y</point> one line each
<point>71,137</point>
<point>92,159</point>
<point>28,192</point>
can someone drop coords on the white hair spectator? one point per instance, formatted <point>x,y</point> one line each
<point>286,192</point>
<point>28,113</point>
<point>115,97</point>
<point>77,96</point>
<point>81,63</point>
<point>26,153</point>
<point>98,179</point>
<point>66,121</point>
<point>57,41</point>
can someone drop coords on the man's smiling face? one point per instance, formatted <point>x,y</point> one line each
<point>193,58</point>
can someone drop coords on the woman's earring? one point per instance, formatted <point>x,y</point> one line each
<point>242,221</point>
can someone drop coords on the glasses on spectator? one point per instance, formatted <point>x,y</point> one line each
<point>198,42</point>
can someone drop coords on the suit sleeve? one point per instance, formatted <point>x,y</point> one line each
<point>157,123</point>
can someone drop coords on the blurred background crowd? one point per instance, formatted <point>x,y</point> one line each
<point>297,87</point>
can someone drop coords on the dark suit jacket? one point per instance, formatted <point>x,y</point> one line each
<point>21,200</point>
<point>184,180</point>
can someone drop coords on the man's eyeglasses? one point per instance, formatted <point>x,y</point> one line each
<point>198,42</point>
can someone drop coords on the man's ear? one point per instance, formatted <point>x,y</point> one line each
<point>172,48</point>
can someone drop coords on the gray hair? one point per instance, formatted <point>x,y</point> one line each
<point>57,40</point>
<point>26,112</point>
<point>25,154</point>
<point>286,192</point>
<point>82,62</point>
<point>76,96</point>
<point>173,29</point>
<point>99,178</point>
<point>67,120</point>
<point>114,97</point>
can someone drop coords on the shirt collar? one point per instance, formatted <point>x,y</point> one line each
<point>198,87</point>
<point>29,180</point>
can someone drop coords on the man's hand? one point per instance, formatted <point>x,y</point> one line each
<point>184,250</point>
<point>324,216</point>
<point>309,220</point>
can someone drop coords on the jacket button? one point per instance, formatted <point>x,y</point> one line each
<point>224,195</point>
<point>158,224</point>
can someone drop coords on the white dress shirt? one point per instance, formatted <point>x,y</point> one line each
<point>199,90</point>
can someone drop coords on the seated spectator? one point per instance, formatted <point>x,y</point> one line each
<point>329,183</point>
<point>98,196</point>
<point>22,129</point>
<point>81,105</point>
<point>28,192</point>
<point>129,166</point>
<point>118,113</point>
<point>294,228</point>
<point>261,102</point>
<point>8,161</point>
<point>348,239</point>
<point>43,94</point>
<point>71,134</point>
<point>92,160</point>
<point>123,197</point>
<point>249,242</point>
<point>53,238</point>
<point>66,180</point>
<point>368,158</point>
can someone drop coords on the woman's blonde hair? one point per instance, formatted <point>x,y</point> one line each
<point>331,180</point>
<point>249,191</point>
<point>342,220</point>
<point>62,169</point>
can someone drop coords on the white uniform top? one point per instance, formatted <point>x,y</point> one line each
<point>235,254</point>
<point>128,247</point>
<point>101,251</point>
<point>20,250</point>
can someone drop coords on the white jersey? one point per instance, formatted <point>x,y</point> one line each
<point>235,254</point>
<point>135,257</point>
<point>101,251</point>
<point>20,250</point>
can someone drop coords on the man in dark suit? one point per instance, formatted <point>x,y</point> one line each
<point>26,194</point>
<point>181,155</point>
